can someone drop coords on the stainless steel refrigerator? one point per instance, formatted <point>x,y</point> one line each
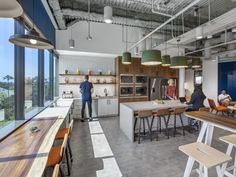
<point>157,87</point>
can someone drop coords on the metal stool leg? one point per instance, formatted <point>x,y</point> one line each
<point>67,161</point>
<point>149,128</point>
<point>70,151</point>
<point>144,132</point>
<point>182,124</point>
<point>174,125</point>
<point>166,124</point>
<point>135,123</point>
<point>139,131</point>
<point>160,123</point>
<point>61,171</point>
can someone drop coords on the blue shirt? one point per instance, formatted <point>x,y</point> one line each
<point>85,89</point>
<point>197,100</point>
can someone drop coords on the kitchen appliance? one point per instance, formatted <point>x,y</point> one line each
<point>67,94</point>
<point>158,86</point>
<point>126,91</point>
<point>141,79</point>
<point>126,79</point>
<point>141,91</point>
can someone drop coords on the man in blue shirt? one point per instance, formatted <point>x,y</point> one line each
<point>86,89</point>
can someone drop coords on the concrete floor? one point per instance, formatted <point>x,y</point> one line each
<point>100,149</point>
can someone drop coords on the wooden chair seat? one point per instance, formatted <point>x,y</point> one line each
<point>61,133</point>
<point>54,156</point>
<point>161,112</point>
<point>205,109</point>
<point>204,154</point>
<point>221,108</point>
<point>230,139</point>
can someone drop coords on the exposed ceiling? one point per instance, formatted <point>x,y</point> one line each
<point>139,13</point>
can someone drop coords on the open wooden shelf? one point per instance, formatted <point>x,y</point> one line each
<point>80,83</point>
<point>93,75</point>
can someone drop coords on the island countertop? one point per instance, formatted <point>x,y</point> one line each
<point>153,105</point>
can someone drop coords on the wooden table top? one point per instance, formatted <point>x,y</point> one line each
<point>219,121</point>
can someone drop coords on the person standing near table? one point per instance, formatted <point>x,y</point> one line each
<point>86,89</point>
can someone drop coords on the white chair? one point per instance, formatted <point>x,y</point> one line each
<point>231,141</point>
<point>206,156</point>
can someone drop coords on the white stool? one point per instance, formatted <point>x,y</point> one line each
<point>206,156</point>
<point>231,140</point>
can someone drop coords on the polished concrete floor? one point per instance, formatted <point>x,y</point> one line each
<point>100,149</point>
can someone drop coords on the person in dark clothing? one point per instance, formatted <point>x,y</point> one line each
<point>86,89</point>
<point>197,98</point>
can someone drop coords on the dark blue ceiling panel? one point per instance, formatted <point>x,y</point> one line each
<point>41,18</point>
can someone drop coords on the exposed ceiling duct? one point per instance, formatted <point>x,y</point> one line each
<point>54,4</point>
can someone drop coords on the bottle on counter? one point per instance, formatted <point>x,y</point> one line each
<point>89,72</point>
<point>109,72</point>
<point>78,71</point>
<point>66,71</point>
<point>100,72</point>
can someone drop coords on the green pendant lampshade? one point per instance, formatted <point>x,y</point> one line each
<point>178,62</point>
<point>166,60</point>
<point>151,57</point>
<point>196,63</point>
<point>126,58</point>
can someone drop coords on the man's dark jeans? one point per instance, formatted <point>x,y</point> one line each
<point>89,103</point>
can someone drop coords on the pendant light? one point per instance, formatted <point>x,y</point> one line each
<point>31,39</point>
<point>126,56</point>
<point>196,62</point>
<point>166,57</point>
<point>10,9</point>
<point>151,57</point>
<point>89,37</point>
<point>71,40</point>
<point>199,29</point>
<point>166,60</point>
<point>178,62</point>
<point>108,14</point>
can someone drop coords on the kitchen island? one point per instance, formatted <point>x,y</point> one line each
<point>127,111</point>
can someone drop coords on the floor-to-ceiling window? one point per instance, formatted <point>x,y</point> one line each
<point>46,75</point>
<point>6,72</point>
<point>31,79</point>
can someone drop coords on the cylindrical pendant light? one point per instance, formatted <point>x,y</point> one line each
<point>166,60</point>
<point>151,57</point>
<point>196,62</point>
<point>178,62</point>
<point>199,32</point>
<point>31,39</point>
<point>10,9</point>
<point>108,14</point>
<point>71,43</point>
<point>126,58</point>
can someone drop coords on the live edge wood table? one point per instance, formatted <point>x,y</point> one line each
<point>23,153</point>
<point>210,121</point>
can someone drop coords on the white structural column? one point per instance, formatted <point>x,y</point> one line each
<point>181,82</point>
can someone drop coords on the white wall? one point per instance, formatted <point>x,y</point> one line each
<point>72,63</point>
<point>210,79</point>
<point>107,38</point>
<point>189,82</point>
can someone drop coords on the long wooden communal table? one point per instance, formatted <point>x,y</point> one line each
<point>23,153</point>
<point>210,121</point>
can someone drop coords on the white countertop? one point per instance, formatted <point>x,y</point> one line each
<point>94,98</point>
<point>63,103</point>
<point>153,105</point>
<point>60,112</point>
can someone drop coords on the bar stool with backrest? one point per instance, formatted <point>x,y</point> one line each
<point>61,134</point>
<point>177,112</point>
<point>57,154</point>
<point>56,171</point>
<point>216,108</point>
<point>159,115</point>
<point>142,116</point>
<point>231,141</point>
<point>206,156</point>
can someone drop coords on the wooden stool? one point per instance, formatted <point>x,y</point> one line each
<point>56,156</point>
<point>61,134</point>
<point>177,112</point>
<point>206,156</point>
<point>161,114</point>
<point>231,141</point>
<point>142,116</point>
<point>56,171</point>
